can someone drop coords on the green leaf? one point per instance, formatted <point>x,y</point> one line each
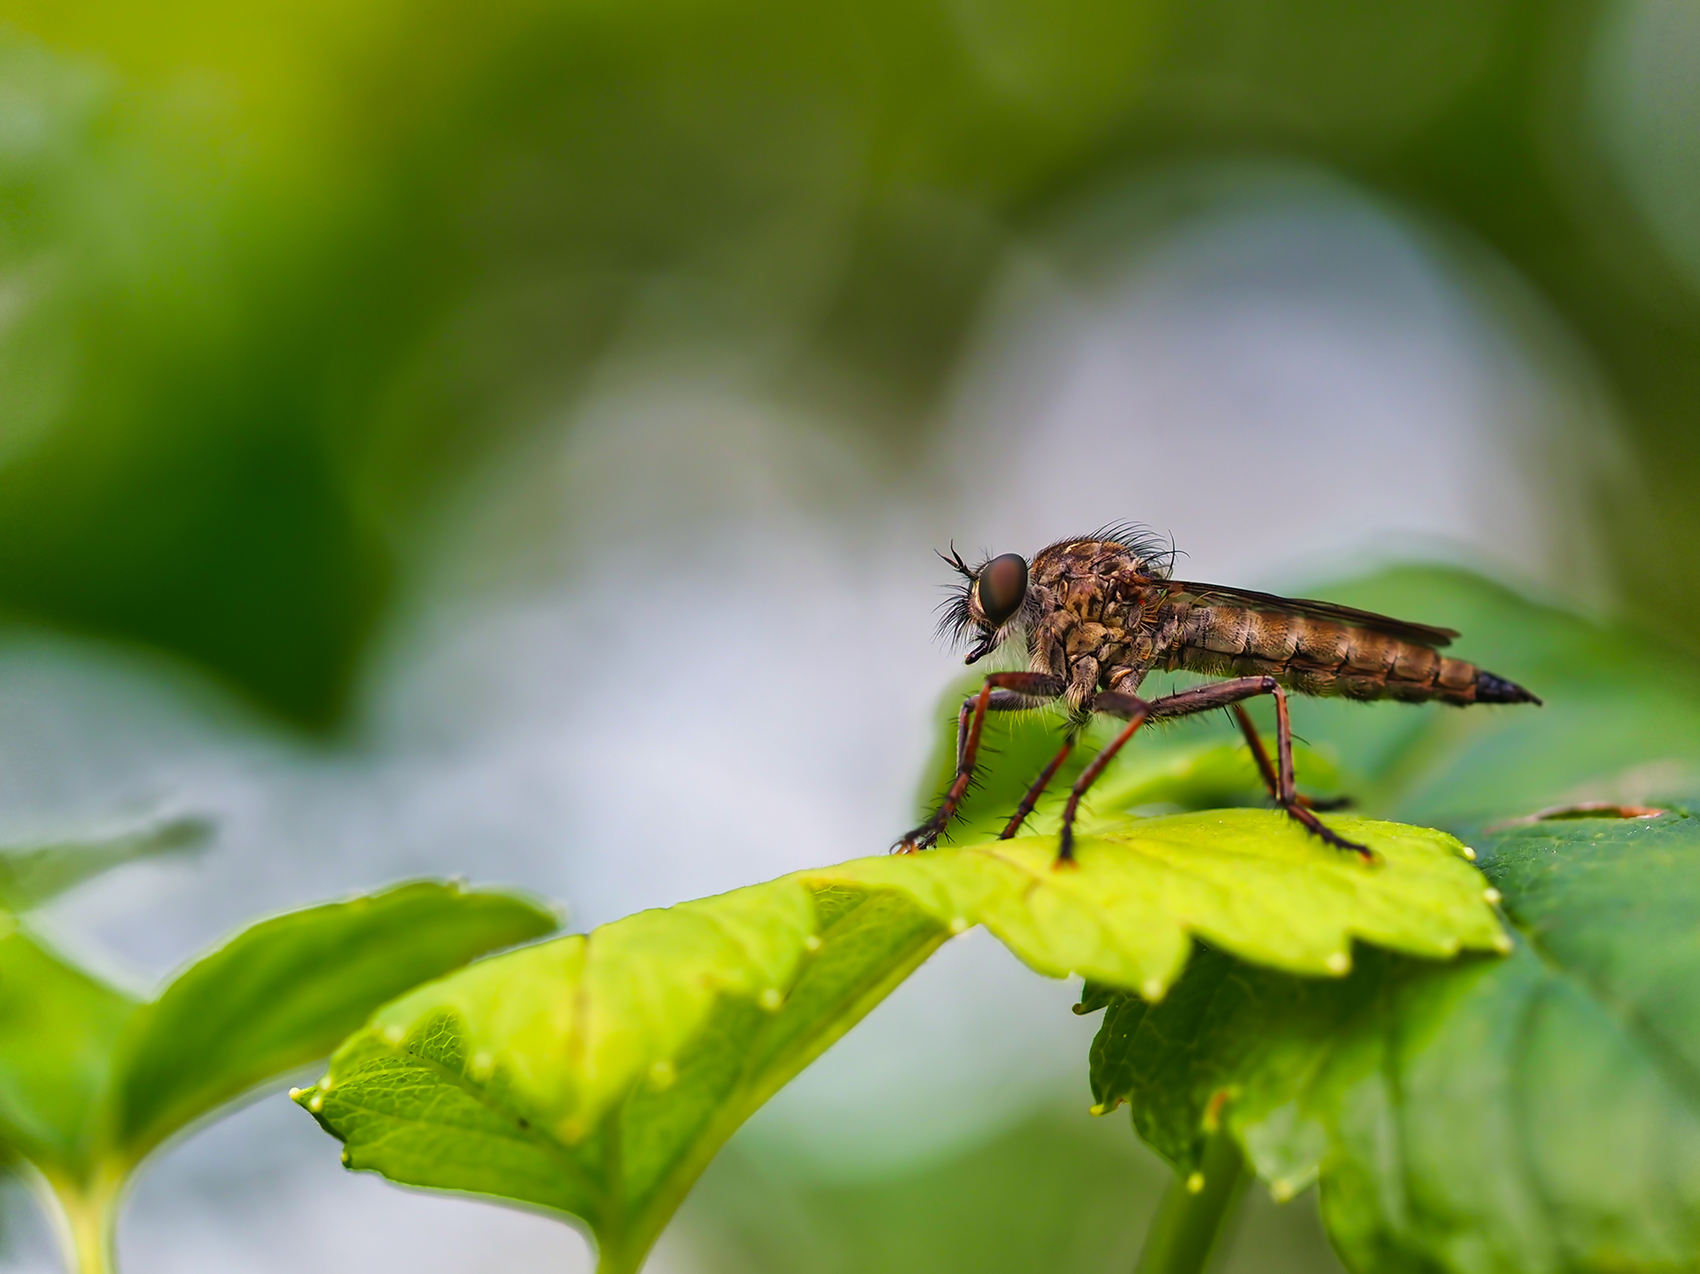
<point>59,1026</point>
<point>91,1080</point>
<point>1536,1113</point>
<point>1251,881</point>
<point>285,991</point>
<point>597,1075</point>
<point>59,1030</point>
<point>29,877</point>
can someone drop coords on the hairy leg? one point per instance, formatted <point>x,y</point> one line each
<point>1037,790</point>
<point>1002,692</point>
<point>1266,768</point>
<point>1137,711</point>
<point>1287,798</point>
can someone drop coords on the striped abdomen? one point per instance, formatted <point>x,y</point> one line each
<point>1321,657</point>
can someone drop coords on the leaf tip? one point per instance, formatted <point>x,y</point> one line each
<point>1195,1183</point>
<point>1281,1190</point>
<point>771,998</point>
<point>1338,962</point>
<point>959,924</point>
<point>1492,896</point>
<point>1152,989</point>
<point>1502,942</point>
<point>811,942</point>
<point>1469,853</point>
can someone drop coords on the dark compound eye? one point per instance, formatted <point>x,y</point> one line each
<point>1001,586</point>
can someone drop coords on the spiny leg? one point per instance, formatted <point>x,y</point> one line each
<point>1002,692</point>
<point>1223,694</point>
<point>1135,711</point>
<point>1266,768</point>
<point>1037,790</point>
<point>1287,797</point>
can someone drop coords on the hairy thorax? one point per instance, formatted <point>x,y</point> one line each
<point>1094,621</point>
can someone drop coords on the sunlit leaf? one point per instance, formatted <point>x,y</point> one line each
<point>597,1074</point>
<point>1251,881</point>
<point>1534,1113</point>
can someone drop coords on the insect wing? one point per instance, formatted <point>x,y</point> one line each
<point>1220,594</point>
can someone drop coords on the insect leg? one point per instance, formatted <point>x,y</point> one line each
<point>1135,711</point>
<point>1037,790</point>
<point>1224,693</point>
<point>1287,799</point>
<point>1002,692</point>
<point>1266,768</point>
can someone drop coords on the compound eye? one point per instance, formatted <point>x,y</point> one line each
<point>1001,586</point>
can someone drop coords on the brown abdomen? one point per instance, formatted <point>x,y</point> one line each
<point>1320,657</point>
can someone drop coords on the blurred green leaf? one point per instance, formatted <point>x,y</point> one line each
<point>287,990</point>
<point>1621,719</point>
<point>59,1032</point>
<point>29,877</point>
<point>1536,1113</point>
<point>597,1075</point>
<point>1058,1192</point>
<point>91,1080</point>
<point>254,325</point>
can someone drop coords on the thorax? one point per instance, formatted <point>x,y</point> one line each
<point>1094,627</point>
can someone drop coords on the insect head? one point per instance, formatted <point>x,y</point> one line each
<point>992,597</point>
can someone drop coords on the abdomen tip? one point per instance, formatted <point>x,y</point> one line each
<point>1492,689</point>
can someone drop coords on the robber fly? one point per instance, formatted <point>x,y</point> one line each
<point>1098,614</point>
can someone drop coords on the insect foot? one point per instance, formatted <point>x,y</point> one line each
<point>1316,827</point>
<point>923,837</point>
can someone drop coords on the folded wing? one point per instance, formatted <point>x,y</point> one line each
<point>1222,595</point>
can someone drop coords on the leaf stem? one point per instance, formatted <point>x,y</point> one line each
<point>88,1215</point>
<point>1195,1211</point>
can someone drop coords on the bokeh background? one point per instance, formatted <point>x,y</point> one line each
<point>510,440</point>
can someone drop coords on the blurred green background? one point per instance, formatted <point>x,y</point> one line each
<point>275,275</point>
<point>297,303</point>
